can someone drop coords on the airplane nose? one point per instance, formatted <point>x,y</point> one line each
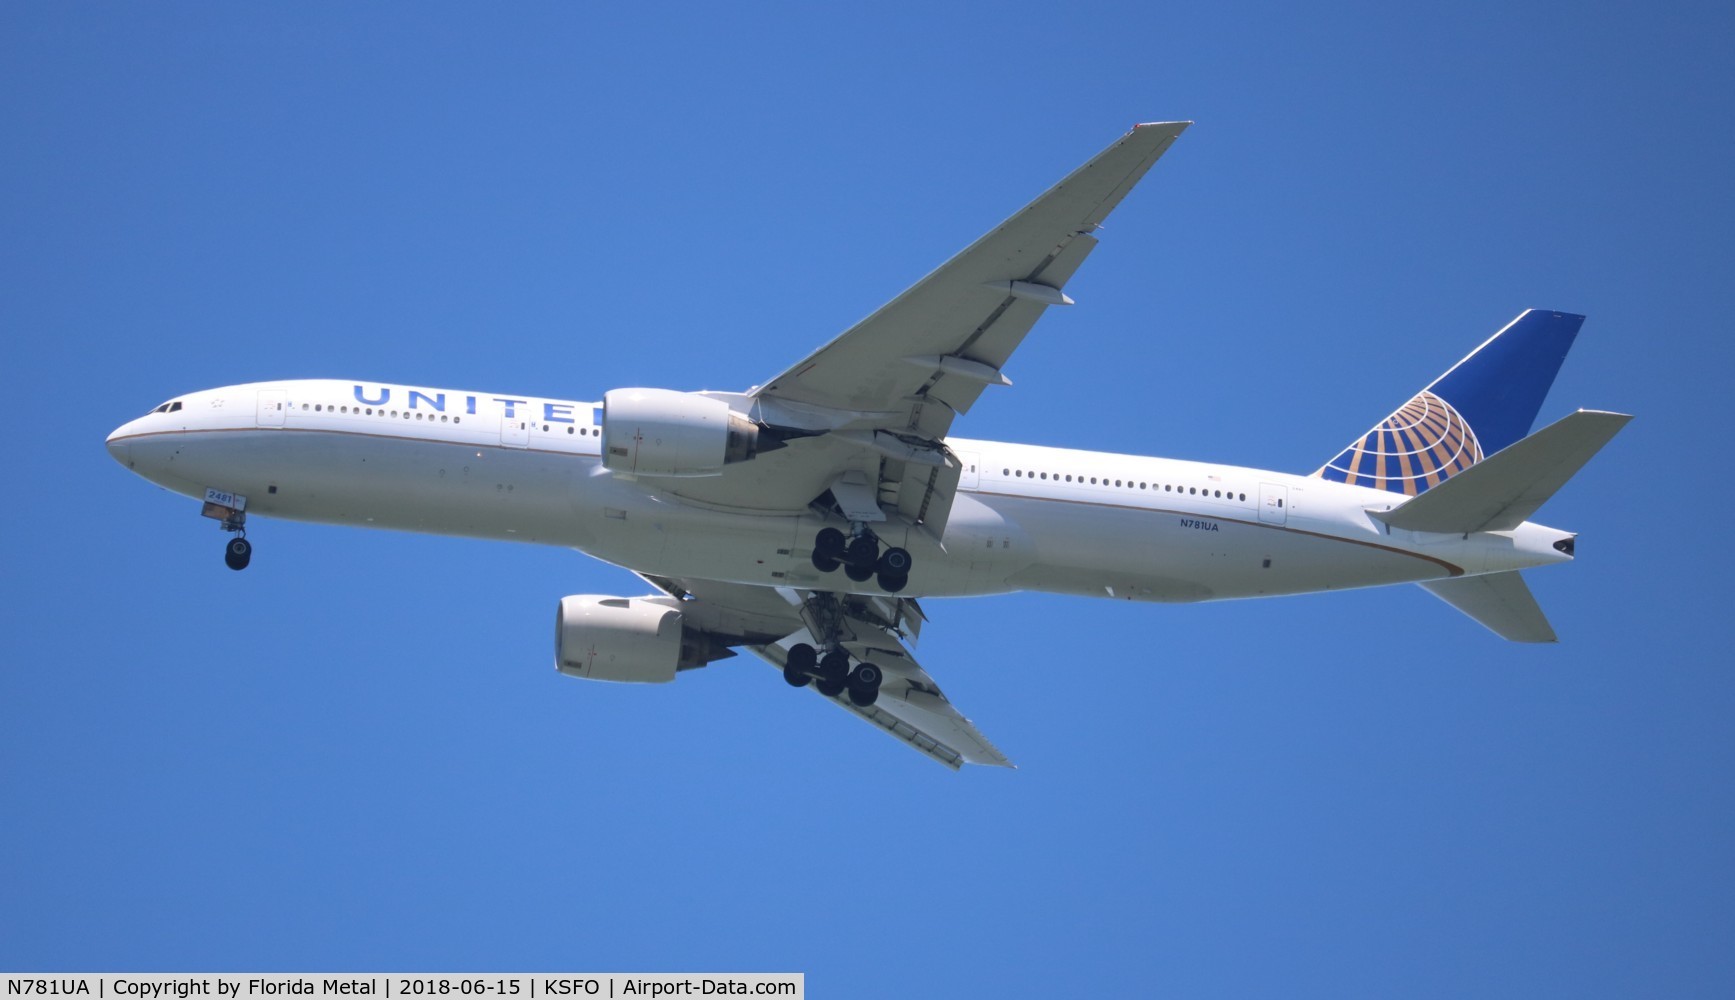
<point>119,447</point>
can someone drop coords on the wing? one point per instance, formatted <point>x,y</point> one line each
<point>927,354</point>
<point>768,621</point>
<point>876,402</point>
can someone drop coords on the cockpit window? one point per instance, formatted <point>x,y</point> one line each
<point>172,407</point>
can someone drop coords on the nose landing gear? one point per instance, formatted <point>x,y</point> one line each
<point>861,559</point>
<point>231,510</point>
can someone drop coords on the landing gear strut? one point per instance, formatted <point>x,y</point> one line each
<point>861,558</point>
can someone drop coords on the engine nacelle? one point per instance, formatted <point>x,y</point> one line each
<point>660,432</point>
<point>631,639</point>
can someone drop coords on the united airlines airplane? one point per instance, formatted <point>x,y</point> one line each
<point>802,519</point>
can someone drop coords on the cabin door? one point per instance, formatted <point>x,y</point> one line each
<point>1273,503</point>
<point>273,404</point>
<point>515,430</point>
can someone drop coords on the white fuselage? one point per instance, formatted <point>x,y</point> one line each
<point>1025,518</point>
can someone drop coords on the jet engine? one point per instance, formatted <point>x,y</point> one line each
<point>632,639</point>
<point>660,432</point>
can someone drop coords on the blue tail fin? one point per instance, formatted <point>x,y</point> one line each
<point>1484,403</point>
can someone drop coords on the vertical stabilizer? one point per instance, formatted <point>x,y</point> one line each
<point>1484,403</point>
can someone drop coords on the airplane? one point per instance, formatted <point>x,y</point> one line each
<point>802,520</point>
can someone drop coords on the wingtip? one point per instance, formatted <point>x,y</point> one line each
<point>1178,127</point>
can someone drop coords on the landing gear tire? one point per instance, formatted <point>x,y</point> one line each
<point>895,562</point>
<point>892,584</point>
<point>828,549</point>
<point>798,665</point>
<point>864,550</point>
<point>864,685</point>
<point>834,667</point>
<point>237,553</point>
<point>831,689</point>
<point>860,574</point>
<point>830,541</point>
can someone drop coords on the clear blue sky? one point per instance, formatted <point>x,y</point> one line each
<point>357,755</point>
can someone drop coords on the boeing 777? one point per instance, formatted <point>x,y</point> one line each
<point>801,520</point>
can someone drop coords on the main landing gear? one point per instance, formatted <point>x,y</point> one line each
<point>861,558</point>
<point>831,676</point>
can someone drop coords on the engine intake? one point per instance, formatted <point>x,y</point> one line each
<point>660,432</point>
<point>641,640</point>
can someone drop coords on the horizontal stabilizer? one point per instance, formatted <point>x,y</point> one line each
<point>1500,601</point>
<point>1500,492</point>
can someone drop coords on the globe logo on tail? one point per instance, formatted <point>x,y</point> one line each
<point>1422,445</point>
